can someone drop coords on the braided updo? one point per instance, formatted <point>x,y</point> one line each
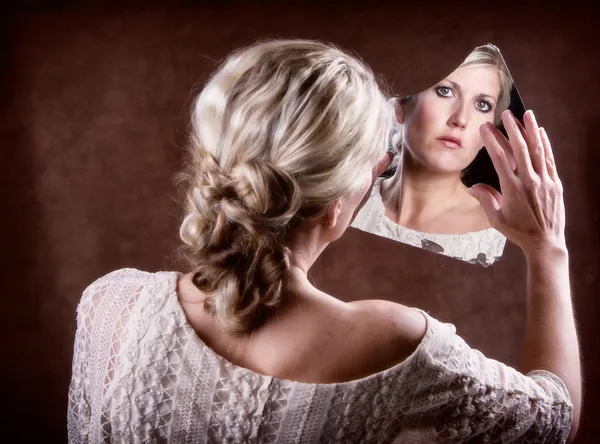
<point>281,130</point>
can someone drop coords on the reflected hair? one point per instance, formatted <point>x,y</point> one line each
<point>281,130</point>
<point>481,169</point>
<point>489,55</point>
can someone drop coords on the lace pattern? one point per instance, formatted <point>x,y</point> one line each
<point>140,374</point>
<point>480,247</point>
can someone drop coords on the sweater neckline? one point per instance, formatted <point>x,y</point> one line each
<point>384,219</point>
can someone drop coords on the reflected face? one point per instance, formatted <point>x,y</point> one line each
<point>441,124</point>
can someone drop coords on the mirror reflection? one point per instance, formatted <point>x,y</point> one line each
<point>423,199</point>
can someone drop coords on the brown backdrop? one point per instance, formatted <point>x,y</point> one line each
<point>94,103</point>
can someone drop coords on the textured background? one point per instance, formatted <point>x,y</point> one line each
<point>93,105</point>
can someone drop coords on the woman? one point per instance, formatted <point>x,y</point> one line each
<point>285,141</point>
<point>426,203</point>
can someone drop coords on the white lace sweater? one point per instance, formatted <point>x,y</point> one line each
<point>141,374</point>
<point>479,247</point>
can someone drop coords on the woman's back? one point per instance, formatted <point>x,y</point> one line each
<point>314,338</point>
<point>142,374</point>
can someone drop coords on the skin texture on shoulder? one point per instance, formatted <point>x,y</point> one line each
<point>315,337</point>
<point>403,323</point>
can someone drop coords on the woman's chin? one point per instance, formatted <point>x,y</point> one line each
<point>446,167</point>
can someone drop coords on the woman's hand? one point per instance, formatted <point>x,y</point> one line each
<point>382,165</point>
<point>530,211</point>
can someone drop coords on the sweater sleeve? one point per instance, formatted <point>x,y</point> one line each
<point>94,345</point>
<point>79,403</point>
<point>465,397</point>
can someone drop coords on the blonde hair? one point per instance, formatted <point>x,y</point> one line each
<point>489,55</point>
<point>282,130</point>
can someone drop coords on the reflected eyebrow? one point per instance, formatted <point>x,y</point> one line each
<point>482,95</point>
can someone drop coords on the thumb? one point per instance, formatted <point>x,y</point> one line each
<point>490,200</point>
<point>383,164</point>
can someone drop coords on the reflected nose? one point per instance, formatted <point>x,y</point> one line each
<point>459,117</point>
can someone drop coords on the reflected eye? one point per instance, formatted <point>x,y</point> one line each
<point>444,91</point>
<point>484,106</point>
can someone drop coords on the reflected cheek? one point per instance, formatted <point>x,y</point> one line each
<point>427,119</point>
<point>473,144</point>
<point>414,138</point>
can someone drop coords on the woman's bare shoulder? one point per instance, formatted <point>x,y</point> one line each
<point>406,324</point>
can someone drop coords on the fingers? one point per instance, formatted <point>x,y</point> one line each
<point>518,143</point>
<point>534,143</point>
<point>520,125</point>
<point>382,164</point>
<point>496,145</point>
<point>548,155</point>
<point>505,144</point>
<point>490,200</point>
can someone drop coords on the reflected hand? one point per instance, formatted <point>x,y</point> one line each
<point>382,165</point>
<point>530,212</point>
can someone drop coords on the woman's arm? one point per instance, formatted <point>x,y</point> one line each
<point>530,213</point>
<point>550,336</point>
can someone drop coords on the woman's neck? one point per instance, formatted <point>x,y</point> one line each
<point>415,196</point>
<point>306,244</point>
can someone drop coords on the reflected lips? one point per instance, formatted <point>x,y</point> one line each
<point>450,142</point>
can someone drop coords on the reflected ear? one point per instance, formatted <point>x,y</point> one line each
<point>333,212</point>
<point>400,113</point>
<point>398,109</point>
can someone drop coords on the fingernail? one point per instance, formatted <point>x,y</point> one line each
<point>510,115</point>
<point>532,117</point>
